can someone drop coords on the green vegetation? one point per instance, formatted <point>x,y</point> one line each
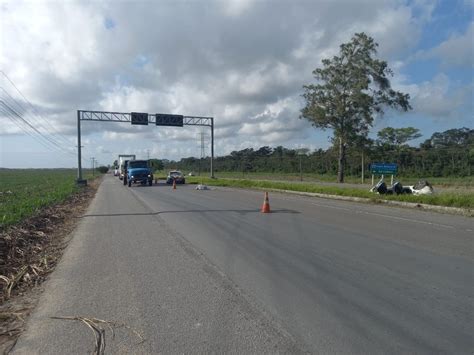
<point>352,87</point>
<point>102,169</point>
<point>452,182</point>
<point>23,192</point>
<point>447,156</point>
<point>450,199</point>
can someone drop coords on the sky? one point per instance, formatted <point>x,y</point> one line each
<point>243,62</point>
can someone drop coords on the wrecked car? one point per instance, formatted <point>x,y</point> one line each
<point>422,187</point>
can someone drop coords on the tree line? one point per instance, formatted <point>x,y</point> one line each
<point>350,90</point>
<point>448,153</point>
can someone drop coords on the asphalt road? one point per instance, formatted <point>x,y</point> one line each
<point>205,271</point>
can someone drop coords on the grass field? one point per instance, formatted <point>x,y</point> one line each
<point>437,181</point>
<point>450,199</point>
<point>25,191</point>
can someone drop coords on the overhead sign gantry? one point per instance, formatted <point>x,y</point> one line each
<point>140,118</point>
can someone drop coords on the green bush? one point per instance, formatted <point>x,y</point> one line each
<point>102,169</point>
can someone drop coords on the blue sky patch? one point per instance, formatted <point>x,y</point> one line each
<point>109,23</point>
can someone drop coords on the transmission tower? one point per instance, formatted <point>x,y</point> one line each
<point>203,137</point>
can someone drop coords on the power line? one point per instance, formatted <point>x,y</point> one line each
<point>58,134</point>
<point>22,112</point>
<point>18,119</point>
<point>19,124</point>
<point>55,140</point>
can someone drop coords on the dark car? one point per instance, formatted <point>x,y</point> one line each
<point>176,176</point>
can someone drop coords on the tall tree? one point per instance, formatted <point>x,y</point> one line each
<point>157,164</point>
<point>397,136</point>
<point>351,88</point>
<point>453,137</point>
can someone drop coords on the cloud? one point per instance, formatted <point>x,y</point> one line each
<point>437,99</point>
<point>242,62</point>
<point>458,50</point>
<point>236,7</point>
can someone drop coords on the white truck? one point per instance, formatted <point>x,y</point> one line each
<point>122,158</point>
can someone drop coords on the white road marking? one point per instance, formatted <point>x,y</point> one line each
<point>368,213</point>
<point>407,219</point>
<point>388,216</point>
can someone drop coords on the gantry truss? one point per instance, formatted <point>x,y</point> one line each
<point>107,116</point>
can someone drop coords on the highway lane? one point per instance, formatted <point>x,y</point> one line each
<point>203,271</point>
<point>125,265</point>
<point>341,277</point>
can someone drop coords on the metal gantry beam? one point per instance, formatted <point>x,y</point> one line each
<point>126,117</point>
<point>108,116</point>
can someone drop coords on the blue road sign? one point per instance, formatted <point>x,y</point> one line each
<point>384,168</point>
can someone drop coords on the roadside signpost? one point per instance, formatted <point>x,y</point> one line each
<point>383,169</point>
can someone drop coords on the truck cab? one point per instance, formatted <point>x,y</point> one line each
<point>139,171</point>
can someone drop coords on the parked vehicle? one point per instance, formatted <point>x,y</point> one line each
<point>139,171</point>
<point>176,176</point>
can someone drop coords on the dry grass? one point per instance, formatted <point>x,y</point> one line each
<point>29,251</point>
<point>98,327</point>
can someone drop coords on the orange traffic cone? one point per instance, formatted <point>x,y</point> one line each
<point>266,204</point>
<point>174,184</point>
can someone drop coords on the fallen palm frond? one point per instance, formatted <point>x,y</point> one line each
<point>5,279</point>
<point>96,325</point>
<point>11,332</point>
<point>10,315</point>
<point>11,282</point>
<point>22,274</point>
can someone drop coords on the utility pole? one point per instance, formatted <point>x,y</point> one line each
<point>148,153</point>
<point>301,152</point>
<point>212,147</point>
<point>92,165</point>
<point>301,171</point>
<point>79,180</point>
<point>203,151</point>
<point>363,167</point>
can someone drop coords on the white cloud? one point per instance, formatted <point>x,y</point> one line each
<point>242,61</point>
<point>236,7</point>
<point>458,50</point>
<point>437,99</point>
<point>399,21</point>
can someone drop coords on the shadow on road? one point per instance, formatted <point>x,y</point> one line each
<point>186,211</point>
<point>158,184</point>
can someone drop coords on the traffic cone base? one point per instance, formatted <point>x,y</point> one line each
<point>266,204</point>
